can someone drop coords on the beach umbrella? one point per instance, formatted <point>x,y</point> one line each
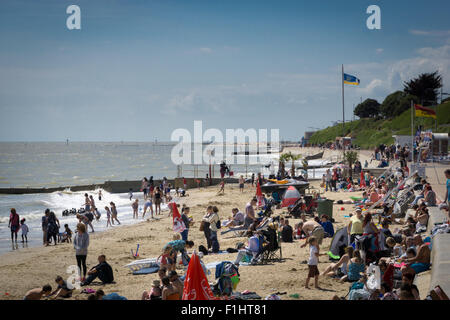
<point>196,286</point>
<point>259,195</point>
<point>290,197</point>
<point>178,224</point>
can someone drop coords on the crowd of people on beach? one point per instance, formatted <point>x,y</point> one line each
<point>372,251</point>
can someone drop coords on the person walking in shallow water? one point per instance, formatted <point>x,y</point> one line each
<point>135,206</point>
<point>14,224</point>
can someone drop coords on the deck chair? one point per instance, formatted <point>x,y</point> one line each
<point>272,250</point>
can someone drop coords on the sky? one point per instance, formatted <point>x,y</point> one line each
<point>139,69</point>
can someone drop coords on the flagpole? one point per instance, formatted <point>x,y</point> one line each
<point>343,114</point>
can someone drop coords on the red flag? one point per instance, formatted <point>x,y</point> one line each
<point>362,181</point>
<point>178,224</point>
<point>259,195</point>
<point>196,286</point>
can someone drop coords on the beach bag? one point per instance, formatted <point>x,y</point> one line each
<point>202,226</point>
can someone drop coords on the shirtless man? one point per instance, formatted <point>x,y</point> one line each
<point>176,282</point>
<point>38,293</point>
<point>312,228</point>
<point>419,263</point>
<point>92,202</point>
<point>250,213</point>
<point>169,292</point>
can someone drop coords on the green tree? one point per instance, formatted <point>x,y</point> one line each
<point>426,87</point>
<point>370,108</point>
<point>396,103</point>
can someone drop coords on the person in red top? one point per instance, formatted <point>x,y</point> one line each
<point>14,224</point>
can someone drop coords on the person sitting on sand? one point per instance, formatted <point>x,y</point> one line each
<point>102,270</point>
<point>62,291</point>
<point>339,268</point>
<point>287,232</point>
<point>251,250</point>
<point>100,295</point>
<point>67,234</point>
<point>355,268</point>
<point>327,226</point>
<point>419,263</point>
<point>237,218</point>
<point>155,293</point>
<point>169,292</point>
<point>250,213</point>
<point>176,282</point>
<point>38,293</point>
<point>135,207</point>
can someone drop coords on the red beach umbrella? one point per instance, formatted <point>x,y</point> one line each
<point>259,195</point>
<point>196,286</point>
<point>290,197</point>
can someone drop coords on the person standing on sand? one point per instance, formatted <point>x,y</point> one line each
<point>108,216</point>
<point>135,206</point>
<point>114,212</point>
<point>45,226</point>
<point>81,244</point>
<point>148,205</point>
<point>241,183</point>
<point>157,200</point>
<point>53,227</point>
<point>313,261</point>
<point>253,179</point>
<point>205,223</point>
<point>92,202</point>
<point>14,224</point>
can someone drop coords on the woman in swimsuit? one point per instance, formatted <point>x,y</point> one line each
<point>157,200</point>
<point>108,216</point>
<point>114,213</point>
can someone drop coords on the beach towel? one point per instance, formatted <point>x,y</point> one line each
<point>146,270</point>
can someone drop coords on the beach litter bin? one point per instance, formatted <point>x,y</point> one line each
<point>325,206</point>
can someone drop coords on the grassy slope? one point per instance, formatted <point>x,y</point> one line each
<point>369,133</point>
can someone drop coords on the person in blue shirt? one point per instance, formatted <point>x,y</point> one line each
<point>327,226</point>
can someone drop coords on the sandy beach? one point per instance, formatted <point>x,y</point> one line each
<point>29,268</point>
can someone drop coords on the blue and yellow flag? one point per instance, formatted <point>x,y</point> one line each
<point>349,79</point>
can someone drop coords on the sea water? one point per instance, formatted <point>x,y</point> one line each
<point>32,208</point>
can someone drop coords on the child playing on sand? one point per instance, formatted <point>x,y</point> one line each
<point>222,187</point>
<point>24,229</point>
<point>313,261</point>
<point>62,291</point>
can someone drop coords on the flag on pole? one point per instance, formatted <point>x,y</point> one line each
<point>259,196</point>
<point>196,286</point>
<point>421,111</point>
<point>349,79</point>
<point>178,224</point>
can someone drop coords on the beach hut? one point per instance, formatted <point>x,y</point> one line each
<point>290,197</point>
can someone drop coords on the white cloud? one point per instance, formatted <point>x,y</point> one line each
<point>379,50</point>
<point>206,50</point>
